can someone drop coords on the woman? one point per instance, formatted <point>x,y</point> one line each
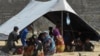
<point>34,47</point>
<point>48,44</point>
<point>29,34</point>
<point>60,46</point>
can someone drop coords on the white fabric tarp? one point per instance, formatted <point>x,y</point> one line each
<point>31,12</point>
<point>63,5</point>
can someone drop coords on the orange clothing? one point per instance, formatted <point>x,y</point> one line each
<point>28,51</point>
<point>60,46</point>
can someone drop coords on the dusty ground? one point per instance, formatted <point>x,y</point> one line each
<point>95,53</point>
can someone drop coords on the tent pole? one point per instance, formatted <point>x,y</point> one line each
<point>62,23</point>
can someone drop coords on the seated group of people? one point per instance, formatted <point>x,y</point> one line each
<point>47,43</point>
<point>78,45</point>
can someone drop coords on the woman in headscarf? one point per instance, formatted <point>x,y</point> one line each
<point>48,44</point>
<point>60,46</point>
<point>25,35</point>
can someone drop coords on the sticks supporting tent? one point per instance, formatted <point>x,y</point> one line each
<point>62,22</point>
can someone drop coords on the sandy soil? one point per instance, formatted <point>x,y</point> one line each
<point>95,53</point>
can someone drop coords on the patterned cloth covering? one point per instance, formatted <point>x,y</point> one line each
<point>34,49</point>
<point>60,46</point>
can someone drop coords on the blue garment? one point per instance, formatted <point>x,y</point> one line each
<point>52,46</point>
<point>23,36</point>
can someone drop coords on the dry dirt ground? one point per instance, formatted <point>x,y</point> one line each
<point>95,53</point>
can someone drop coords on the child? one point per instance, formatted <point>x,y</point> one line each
<point>88,46</point>
<point>34,47</point>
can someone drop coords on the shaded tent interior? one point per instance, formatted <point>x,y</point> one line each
<point>77,25</point>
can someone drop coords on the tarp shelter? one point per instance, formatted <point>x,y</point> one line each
<point>55,10</point>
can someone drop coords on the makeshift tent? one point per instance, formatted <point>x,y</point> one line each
<point>58,16</point>
<point>54,10</point>
<point>76,25</point>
